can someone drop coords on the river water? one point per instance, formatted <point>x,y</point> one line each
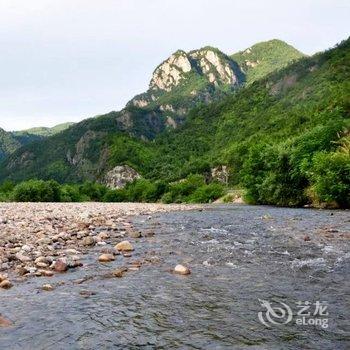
<point>239,256</point>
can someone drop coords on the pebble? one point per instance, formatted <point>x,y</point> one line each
<point>5,284</point>
<point>47,287</point>
<point>88,241</point>
<point>182,270</point>
<point>4,322</point>
<point>106,258</point>
<point>135,234</point>
<point>119,272</point>
<point>124,246</point>
<point>61,265</point>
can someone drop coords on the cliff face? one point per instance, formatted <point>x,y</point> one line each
<point>188,78</point>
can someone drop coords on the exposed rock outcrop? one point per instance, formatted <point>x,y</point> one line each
<point>220,173</point>
<point>119,176</point>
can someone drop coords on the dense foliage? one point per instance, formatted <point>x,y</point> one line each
<point>8,143</point>
<point>193,189</point>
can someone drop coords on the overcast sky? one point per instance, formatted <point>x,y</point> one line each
<point>66,60</point>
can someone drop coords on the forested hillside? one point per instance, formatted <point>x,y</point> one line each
<point>284,138</point>
<point>10,141</point>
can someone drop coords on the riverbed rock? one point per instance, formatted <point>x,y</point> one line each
<point>182,270</point>
<point>61,265</point>
<point>46,273</point>
<point>106,258</point>
<point>5,322</point>
<point>47,287</point>
<point>88,241</point>
<point>124,246</point>
<point>135,234</point>
<point>5,284</point>
<point>120,272</point>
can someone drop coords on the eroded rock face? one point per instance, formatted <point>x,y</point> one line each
<point>169,73</point>
<point>220,173</point>
<point>119,176</point>
<point>215,66</point>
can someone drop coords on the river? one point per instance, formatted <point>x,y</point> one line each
<point>239,256</point>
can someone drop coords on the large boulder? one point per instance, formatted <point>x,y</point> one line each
<point>119,176</point>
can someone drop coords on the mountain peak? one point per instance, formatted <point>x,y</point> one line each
<point>169,73</point>
<point>208,62</point>
<point>262,58</point>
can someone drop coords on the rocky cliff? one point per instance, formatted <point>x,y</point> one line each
<point>188,78</point>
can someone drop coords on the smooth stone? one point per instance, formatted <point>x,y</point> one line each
<point>5,284</point>
<point>47,287</point>
<point>88,241</point>
<point>61,265</point>
<point>46,273</point>
<point>4,322</point>
<point>182,270</point>
<point>106,258</point>
<point>124,246</point>
<point>134,234</point>
<point>119,272</point>
<point>86,293</point>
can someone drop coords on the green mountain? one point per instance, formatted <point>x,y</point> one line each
<point>263,58</point>
<point>284,138</point>
<point>8,144</point>
<point>42,131</point>
<point>180,83</point>
<point>13,140</point>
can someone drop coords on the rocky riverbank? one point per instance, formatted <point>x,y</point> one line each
<point>44,239</point>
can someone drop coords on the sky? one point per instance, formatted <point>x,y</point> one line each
<point>67,60</point>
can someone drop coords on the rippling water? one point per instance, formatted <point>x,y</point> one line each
<point>237,254</point>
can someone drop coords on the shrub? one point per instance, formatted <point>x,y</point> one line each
<point>93,191</point>
<point>179,191</point>
<point>119,195</point>
<point>330,176</point>
<point>37,191</point>
<point>70,193</point>
<point>206,193</point>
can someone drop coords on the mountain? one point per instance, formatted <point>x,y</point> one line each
<point>86,150</point>
<point>8,144</point>
<point>13,140</point>
<point>263,58</point>
<point>186,79</point>
<point>43,131</point>
<point>285,138</point>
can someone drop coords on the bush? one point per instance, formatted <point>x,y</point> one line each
<point>206,193</point>
<point>115,196</point>
<point>179,191</point>
<point>93,191</point>
<point>37,191</point>
<point>70,193</point>
<point>330,176</point>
